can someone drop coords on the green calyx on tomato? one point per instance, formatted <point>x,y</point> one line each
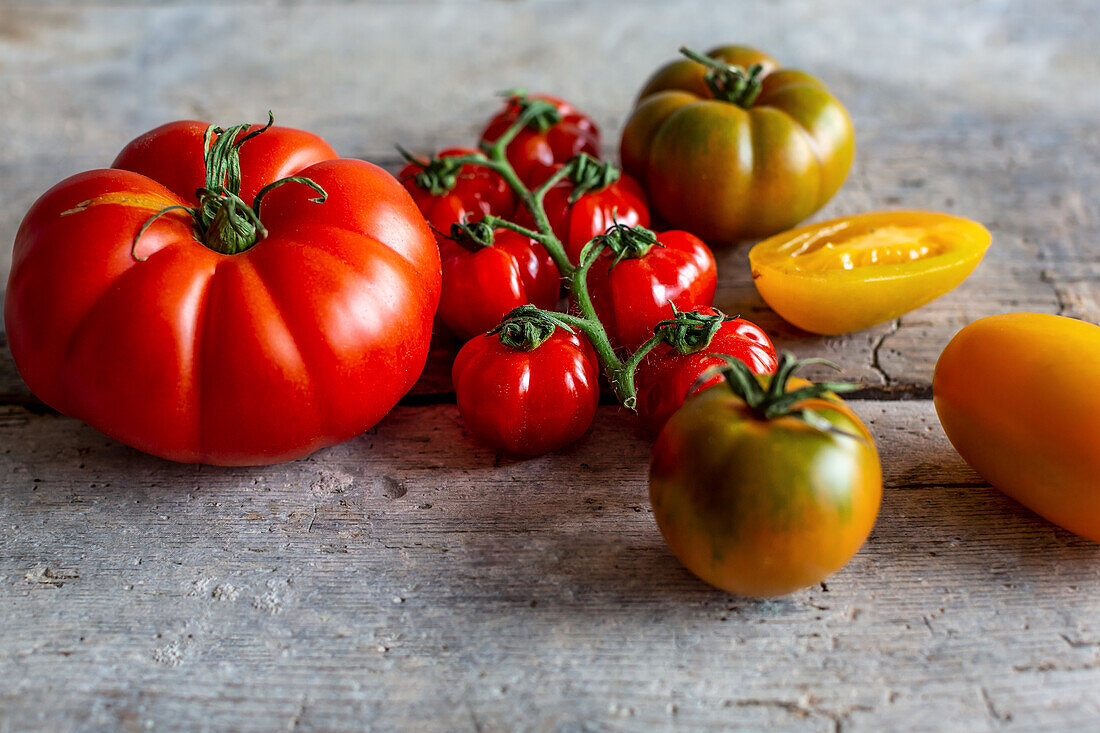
<point>691,332</point>
<point>624,242</point>
<point>538,114</point>
<point>729,82</point>
<point>437,175</point>
<point>588,174</point>
<point>223,221</point>
<point>775,400</point>
<point>528,327</point>
<point>473,236</point>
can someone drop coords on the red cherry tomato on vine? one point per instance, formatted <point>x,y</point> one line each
<point>632,296</point>
<point>621,202</point>
<point>474,191</point>
<point>535,150</point>
<point>527,402</point>
<point>665,376</point>
<point>480,286</point>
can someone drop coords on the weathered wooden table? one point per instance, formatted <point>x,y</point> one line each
<point>411,579</point>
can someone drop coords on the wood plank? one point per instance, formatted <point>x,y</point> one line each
<point>413,579</point>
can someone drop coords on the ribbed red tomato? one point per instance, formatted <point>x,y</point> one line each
<point>486,277</point>
<point>635,284</point>
<point>527,401</point>
<point>172,345</point>
<point>539,146</point>
<point>448,195</point>
<point>593,213</point>
<point>666,375</point>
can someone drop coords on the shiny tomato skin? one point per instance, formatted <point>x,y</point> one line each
<point>477,193</point>
<point>621,202</point>
<point>172,155</point>
<point>726,173</point>
<point>633,296</point>
<point>197,356</point>
<point>763,508</point>
<point>1016,396</point>
<point>665,376</point>
<point>480,287</point>
<point>851,273</point>
<point>527,402</point>
<point>534,153</point>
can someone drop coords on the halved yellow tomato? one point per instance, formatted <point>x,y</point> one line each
<point>851,273</point>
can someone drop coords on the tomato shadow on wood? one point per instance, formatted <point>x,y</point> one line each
<point>966,533</point>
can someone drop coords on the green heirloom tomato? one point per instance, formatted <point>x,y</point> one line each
<point>729,146</point>
<point>763,491</point>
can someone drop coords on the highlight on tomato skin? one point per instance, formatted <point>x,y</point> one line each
<point>852,273</point>
<point>1015,394</point>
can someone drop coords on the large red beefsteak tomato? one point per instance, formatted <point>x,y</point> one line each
<point>220,336</point>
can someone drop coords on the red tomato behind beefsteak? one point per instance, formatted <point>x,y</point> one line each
<point>533,152</point>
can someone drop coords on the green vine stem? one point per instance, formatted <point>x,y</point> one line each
<point>729,83</point>
<point>528,326</point>
<point>223,221</point>
<point>472,236</point>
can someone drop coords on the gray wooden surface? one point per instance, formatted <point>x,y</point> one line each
<point>411,579</point>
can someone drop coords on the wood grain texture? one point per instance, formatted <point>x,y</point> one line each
<point>411,579</point>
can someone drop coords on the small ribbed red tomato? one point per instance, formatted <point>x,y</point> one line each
<point>487,273</point>
<point>527,401</point>
<point>640,274</point>
<point>666,375</point>
<point>542,144</point>
<point>447,194</point>
<point>576,222</point>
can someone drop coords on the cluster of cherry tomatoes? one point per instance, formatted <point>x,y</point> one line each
<point>642,304</point>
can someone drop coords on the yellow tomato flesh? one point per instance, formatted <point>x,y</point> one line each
<point>1016,395</point>
<point>849,274</point>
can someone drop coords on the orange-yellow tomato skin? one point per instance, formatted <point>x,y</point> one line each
<point>763,508</point>
<point>1016,395</point>
<point>851,273</point>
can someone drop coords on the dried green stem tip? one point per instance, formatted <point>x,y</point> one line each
<point>727,82</point>
<point>223,221</point>
<point>627,242</point>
